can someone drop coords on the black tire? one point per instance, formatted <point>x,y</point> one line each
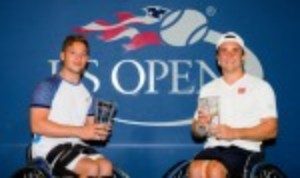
<point>266,170</point>
<point>118,173</point>
<point>29,172</point>
<point>178,170</point>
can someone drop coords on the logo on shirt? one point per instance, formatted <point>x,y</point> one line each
<point>241,90</point>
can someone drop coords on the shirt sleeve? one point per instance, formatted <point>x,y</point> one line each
<point>267,102</point>
<point>43,95</point>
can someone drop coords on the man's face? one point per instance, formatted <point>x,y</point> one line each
<point>75,58</point>
<point>230,57</point>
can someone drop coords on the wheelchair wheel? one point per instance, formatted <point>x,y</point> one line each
<point>178,170</point>
<point>118,173</point>
<point>32,172</point>
<point>265,170</point>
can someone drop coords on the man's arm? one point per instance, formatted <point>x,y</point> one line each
<point>267,129</point>
<point>40,124</point>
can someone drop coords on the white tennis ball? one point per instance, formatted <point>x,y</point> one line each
<point>182,28</point>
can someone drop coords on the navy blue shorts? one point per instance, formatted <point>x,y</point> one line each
<point>233,158</point>
<point>61,155</point>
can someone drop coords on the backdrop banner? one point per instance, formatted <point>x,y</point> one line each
<point>150,58</point>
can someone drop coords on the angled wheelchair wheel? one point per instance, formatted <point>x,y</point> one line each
<point>178,170</point>
<point>266,170</point>
<point>42,165</point>
<point>30,171</point>
<point>119,173</point>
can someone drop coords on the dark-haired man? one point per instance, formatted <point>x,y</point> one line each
<point>61,116</point>
<point>247,113</point>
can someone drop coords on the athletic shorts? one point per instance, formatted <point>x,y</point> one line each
<point>64,157</point>
<point>233,158</point>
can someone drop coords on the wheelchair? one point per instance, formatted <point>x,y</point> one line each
<point>255,167</point>
<point>39,168</point>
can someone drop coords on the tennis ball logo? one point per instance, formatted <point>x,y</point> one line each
<point>182,28</point>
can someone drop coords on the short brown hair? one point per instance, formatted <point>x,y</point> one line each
<point>69,40</point>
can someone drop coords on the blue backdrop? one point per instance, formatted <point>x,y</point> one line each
<point>154,83</point>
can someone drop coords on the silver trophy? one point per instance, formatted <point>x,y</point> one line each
<point>105,111</point>
<point>209,106</point>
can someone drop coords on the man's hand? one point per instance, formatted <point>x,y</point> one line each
<point>201,123</point>
<point>223,132</point>
<point>203,118</point>
<point>95,131</point>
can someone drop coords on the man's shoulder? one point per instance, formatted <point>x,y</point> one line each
<point>45,91</point>
<point>213,83</point>
<point>211,88</point>
<point>51,80</point>
<point>258,82</point>
<point>48,84</point>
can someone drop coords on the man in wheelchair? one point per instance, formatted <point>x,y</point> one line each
<point>235,114</point>
<point>62,118</point>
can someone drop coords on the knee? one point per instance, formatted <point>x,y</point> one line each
<point>105,166</point>
<point>91,169</point>
<point>87,167</point>
<point>194,166</point>
<point>196,169</point>
<point>216,169</point>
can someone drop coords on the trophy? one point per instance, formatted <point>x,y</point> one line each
<point>209,106</point>
<point>105,111</point>
<point>214,109</point>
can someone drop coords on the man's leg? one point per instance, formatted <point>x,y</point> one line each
<point>216,169</point>
<point>197,169</point>
<point>206,169</point>
<point>89,167</point>
<point>105,167</point>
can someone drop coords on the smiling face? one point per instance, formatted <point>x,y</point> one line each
<point>230,57</point>
<point>74,58</point>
